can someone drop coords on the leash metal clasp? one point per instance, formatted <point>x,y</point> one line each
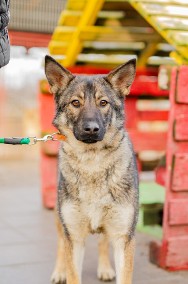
<point>48,137</point>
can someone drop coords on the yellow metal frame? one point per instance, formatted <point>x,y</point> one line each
<point>87,18</point>
<point>76,27</point>
<point>149,50</point>
<point>182,51</point>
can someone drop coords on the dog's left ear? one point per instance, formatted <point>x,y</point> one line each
<point>58,76</point>
<point>122,77</point>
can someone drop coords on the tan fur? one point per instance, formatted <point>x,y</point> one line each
<point>72,272</point>
<point>98,212</point>
<point>59,274</point>
<point>124,258</point>
<point>105,271</point>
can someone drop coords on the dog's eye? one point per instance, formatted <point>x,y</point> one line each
<point>76,103</point>
<point>103,103</point>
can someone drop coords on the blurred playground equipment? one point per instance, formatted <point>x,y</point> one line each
<point>93,36</point>
<point>32,22</point>
<point>87,26</point>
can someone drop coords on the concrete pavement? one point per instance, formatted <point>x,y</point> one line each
<point>28,236</point>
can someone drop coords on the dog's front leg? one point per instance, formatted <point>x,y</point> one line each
<point>69,258</point>
<point>105,271</point>
<point>59,273</point>
<point>124,258</point>
<point>75,231</point>
<point>74,253</point>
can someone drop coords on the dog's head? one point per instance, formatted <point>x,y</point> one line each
<point>88,106</point>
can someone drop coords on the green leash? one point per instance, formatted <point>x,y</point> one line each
<point>15,141</point>
<point>30,140</point>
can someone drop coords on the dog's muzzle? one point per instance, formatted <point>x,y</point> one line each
<point>91,132</point>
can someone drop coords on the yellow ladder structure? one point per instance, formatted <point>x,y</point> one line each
<point>170,19</point>
<point>73,22</point>
<point>78,28</point>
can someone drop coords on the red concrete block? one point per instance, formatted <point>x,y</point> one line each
<point>48,180</point>
<point>181,128</point>
<point>148,140</point>
<point>178,212</point>
<point>172,254</point>
<point>160,175</point>
<point>182,85</point>
<point>177,253</point>
<point>131,112</point>
<point>50,148</point>
<point>153,115</point>
<point>47,111</point>
<point>180,172</point>
<point>146,83</point>
<point>154,252</point>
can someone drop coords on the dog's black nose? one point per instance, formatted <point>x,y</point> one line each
<point>91,127</point>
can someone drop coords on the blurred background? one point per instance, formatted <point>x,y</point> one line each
<point>30,28</point>
<point>92,37</point>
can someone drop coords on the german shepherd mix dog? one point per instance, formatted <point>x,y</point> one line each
<point>98,180</point>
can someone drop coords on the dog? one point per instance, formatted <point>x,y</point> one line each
<point>98,179</point>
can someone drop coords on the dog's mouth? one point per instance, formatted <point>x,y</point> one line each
<point>90,141</point>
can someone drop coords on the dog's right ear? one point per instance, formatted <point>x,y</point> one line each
<point>58,77</point>
<point>122,77</point>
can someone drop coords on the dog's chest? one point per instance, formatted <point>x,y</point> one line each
<point>95,198</point>
<point>92,183</point>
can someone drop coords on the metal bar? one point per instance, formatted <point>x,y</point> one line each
<point>88,18</point>
<point>146,53</point>
<point>164,2</point>
<point>137,5</point>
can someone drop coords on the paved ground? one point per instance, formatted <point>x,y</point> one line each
<point>28,237</point>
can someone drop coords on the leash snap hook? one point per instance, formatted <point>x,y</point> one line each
<point>45,138</point>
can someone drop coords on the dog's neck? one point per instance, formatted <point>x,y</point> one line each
<point>91,161</point>
<point>97,157</point>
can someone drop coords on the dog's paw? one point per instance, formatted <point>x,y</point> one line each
<point>106,273</point>
<point>58,277</point>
